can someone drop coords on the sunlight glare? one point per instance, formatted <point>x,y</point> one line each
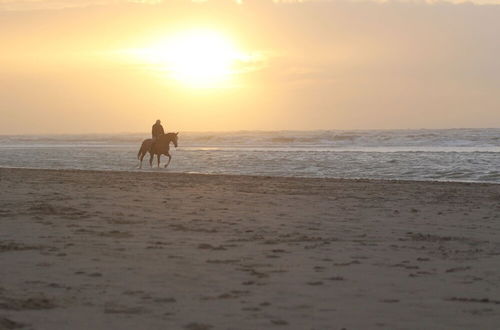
<point>198,58</point>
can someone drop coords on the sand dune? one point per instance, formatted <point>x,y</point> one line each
<point>118,250</point>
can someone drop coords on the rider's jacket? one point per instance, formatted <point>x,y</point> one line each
<point>157,130</point>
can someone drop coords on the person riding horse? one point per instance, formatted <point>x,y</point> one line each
<point>161,147</point>
<point>158,145</point>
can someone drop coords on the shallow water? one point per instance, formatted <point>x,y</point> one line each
<point>449,155</point>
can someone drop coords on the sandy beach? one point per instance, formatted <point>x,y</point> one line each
<point>158,250</point>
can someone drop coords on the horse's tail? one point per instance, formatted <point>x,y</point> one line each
<point>139,153</point>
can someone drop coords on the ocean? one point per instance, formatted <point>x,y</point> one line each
<point>469,155</point>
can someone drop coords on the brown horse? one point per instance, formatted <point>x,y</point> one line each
<point>160,147</point>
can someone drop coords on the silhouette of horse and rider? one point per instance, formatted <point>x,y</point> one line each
<point>158,145</point>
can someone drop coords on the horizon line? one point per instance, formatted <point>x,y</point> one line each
<point>256,130</point>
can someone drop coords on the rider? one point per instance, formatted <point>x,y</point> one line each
<point>156,131</point>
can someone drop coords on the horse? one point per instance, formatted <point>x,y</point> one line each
<point>160,147</point>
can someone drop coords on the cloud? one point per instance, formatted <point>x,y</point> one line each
<point>24,5</point>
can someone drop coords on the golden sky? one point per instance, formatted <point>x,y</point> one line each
<point>117,66</point>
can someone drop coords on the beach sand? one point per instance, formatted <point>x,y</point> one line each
<point>158,250</point>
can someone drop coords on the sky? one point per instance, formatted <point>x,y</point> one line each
<point>99,66</point>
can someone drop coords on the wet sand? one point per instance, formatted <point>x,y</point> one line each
<point>118,250</point>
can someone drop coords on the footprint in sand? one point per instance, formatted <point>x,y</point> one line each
<point>474,300</point>
<point>354,262</point>
<point>13,246</point>
<point>7,324</point>
<point>457,269</point>
<point>272,256</point>
<point>423,259</point>
<point>34,303</point>
<point>205,246</point>
<point>336,278</point>
<point>95,275</point>
<point>165,300</point>
<point>319,268</point>
<point>198,326</point>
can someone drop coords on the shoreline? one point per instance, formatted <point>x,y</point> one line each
<point>161,171</point>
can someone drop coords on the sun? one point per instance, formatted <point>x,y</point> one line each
<point>195,58</point>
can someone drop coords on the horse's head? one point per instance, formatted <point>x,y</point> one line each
<point>169,137</point>
<point>175,138</point>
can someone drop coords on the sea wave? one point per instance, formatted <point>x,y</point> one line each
<point>453,155</point>
<point>356,138</point>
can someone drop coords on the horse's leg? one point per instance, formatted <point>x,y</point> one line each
<point>158,160</point>
<point>151,155</point>
<point>141,158</point>
<point>169,158</point>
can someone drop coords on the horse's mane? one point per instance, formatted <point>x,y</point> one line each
<point>169,134</point>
